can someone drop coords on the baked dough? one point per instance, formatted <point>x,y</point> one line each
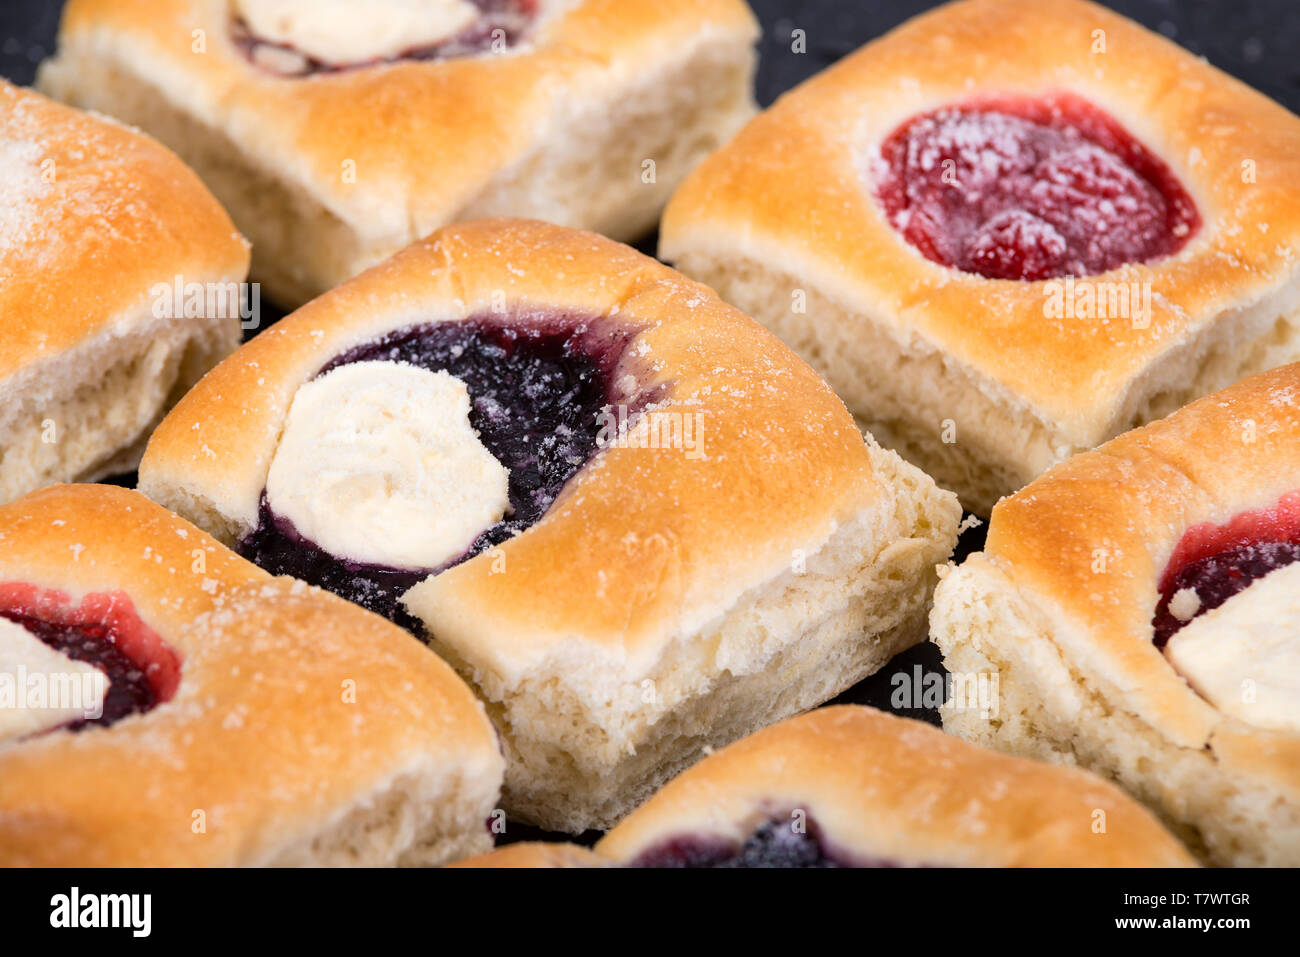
<point>536,854</point>
<point>93,218</point>
<point>985,383</point>
<point>302,731</point>
<point>1059,607</point>
<point>666,602</point>
<point>590,118</point>
<point>872,789</point>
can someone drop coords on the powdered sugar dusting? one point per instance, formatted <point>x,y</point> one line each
<point>73,188</point>
<point>22,190</point>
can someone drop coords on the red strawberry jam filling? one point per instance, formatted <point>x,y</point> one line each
<point>105,631</point>
<point>1014,187</point>
<point>501,24</point>
<point>1218,561</point>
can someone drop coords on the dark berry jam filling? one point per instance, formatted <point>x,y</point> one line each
<point>537,386</point>
<point>103,631</point>
<point>1219,561</point>
<point>276,545</point>
<point>774,844</point>
<point>502,24</point>
<point>1018,188</point>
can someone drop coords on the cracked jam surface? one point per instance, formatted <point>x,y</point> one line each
<point>1028,189</point>
<point>502,25</point>
<point>1218,561</point>
<point>537,387</point>
<point>104,631</point>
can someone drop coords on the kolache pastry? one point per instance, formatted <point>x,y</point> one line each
<point>632,519</point>
<point>1008,231</point>
<point>1140,608</point>
<point>849,786</point>
<point>337,133</point>
<point>234,719</point>
<point>98,226</point>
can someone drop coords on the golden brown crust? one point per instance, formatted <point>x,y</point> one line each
<point>667,541</point>
<point>423,138</point>
<point>888,789</point>
<point>1090,540</point>
<point>260,736</point>
<point>805,158</point>
<point>537,854</point>
<point>111,213</point>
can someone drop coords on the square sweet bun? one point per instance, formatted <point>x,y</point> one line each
<point>665,603</point>
<point>330,173</point>
<point>878,790</point>
<point>973,378</point>
<point>1060,604</point>
<point>261,757</point>
<point>93,216</point>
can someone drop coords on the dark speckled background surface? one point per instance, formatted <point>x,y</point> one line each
<point>1256,40</point>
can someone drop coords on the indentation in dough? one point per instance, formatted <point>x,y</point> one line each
<point>378,463</point>
<point>345,31</point>
<point>42,688</point>
<point>1244,656</point>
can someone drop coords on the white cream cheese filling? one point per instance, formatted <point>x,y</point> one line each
<point>348,31</point>
<point>40,688</point>
<point>378,463</point>
<point>1244,656</point>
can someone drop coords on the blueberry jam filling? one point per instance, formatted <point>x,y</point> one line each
<point>1029,189</point>
<point>537,387</point>
<point>775,844</point>
<point>501,25</point>
<point>1217,562</point>
<point>106,633</point>
<point>276,545</point>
